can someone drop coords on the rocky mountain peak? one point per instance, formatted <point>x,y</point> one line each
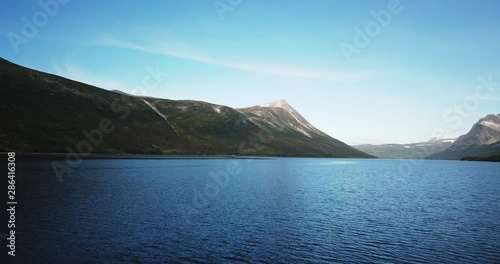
<point>281,103</point>
<point>491,117</point>
<point>491,122</point>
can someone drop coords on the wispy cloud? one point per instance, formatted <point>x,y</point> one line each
<point>73,72</point>
<point>274,69</point>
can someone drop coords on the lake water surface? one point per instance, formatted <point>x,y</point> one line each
<point>279,210</point>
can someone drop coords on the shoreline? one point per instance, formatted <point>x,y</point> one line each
<point>43,156</point>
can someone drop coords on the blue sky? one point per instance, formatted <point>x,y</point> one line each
<point>416,78</point>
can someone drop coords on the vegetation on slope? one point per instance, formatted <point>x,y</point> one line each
<point>45,113</point>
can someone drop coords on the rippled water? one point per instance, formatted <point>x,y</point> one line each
<point>283,210</point>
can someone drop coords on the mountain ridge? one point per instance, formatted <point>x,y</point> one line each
<point>417,150</point>
<point>49,113</point>
<point>275,106</point>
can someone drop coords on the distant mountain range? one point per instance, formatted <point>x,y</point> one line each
<point>482,141</point>
<point>420,150</point>
<point>46,113</point>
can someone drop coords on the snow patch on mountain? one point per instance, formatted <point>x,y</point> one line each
<point>160,114</point>
<point>303,132</point>
<point>281,103</point>
<point>491,124</point>
<point>217,109</point>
